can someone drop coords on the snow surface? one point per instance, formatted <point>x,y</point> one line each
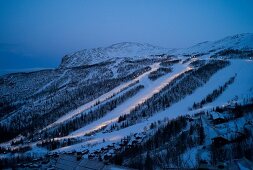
<point>102,98</point>
<point>241,88</point>
<point>150,88</point>
<point>115,51</point>
<point>239,41</point>
<point>51,82</point>
<point>242,85</point>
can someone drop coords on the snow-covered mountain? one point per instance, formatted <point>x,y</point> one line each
<point>240,41</point>
<point>143,50</point>
<point>121,50</point>
<point>131,102</point>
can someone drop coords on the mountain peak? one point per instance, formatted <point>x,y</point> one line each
<point>139,50</point>
<point>238,41</point>
<point>119,50</point>
<point>131,44</point>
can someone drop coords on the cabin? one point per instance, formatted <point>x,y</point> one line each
<point>129,145</point>
<point>79,155</point>
<point>56,155</point>
<point>97,152</point>
<point>236,136</point>
<point>219,141</point>
<point>107,157</point>
<point>248,128</point>
<point>91,156</point>
<point>85,152</point>
<point>123,142</point>
<point>218,118</point>
<point>103,149</point>
<point>134,142</point>
<point>190,119</point>
<point>110,146</point>
<point>116,149</point>
<point>138,137</point>
<point>218,121</point>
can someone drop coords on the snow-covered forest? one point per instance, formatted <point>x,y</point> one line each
<point>135,105</point>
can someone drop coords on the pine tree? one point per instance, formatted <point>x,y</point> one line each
<point>148,162</point>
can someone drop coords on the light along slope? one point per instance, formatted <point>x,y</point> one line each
<point>102,98</point>
<point>150,88</point>
<point>182,106</point>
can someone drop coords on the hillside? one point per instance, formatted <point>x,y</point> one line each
<point>236,42</point>
<point>135,105</point>
<point>116,51</point>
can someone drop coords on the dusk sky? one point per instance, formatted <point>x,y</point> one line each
<point>38,33</point>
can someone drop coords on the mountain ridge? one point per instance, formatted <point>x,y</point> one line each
<point>107,102</point>
<point>243,41</point>
<point>119,50</point>
<point>137,50</point>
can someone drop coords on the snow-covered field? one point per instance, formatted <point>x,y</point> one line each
<point>102,98</point>
<point>242,87</point>
<point>150,88</point>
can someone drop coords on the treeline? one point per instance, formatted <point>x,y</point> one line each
<point>215,94</point>
<point>197,63</point>
<point>165,147</point>
<point>6,107</point>
<point>30,119</point>
<point>236,150</point>
<point>187,59</point>
<point>180,87</point>
<point>79,121</point>
<point>18,149</point>
<point>240,145</point>
<point>169,145</point>
<point>161,71</point>
<point>7,133</point>
<point>52,144</point>
<point>234,53</point>
<point>236,111</point>
<point>14,161</point>
<point>118,92</point>
<point>148,61</point>
<point>169,62</point>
